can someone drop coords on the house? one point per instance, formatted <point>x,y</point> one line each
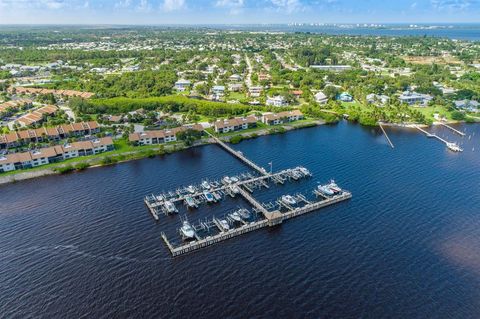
<point>413,98</point>
<point>42,134</point>
<point>297,93</point>
<point>321,98</point>
<point>264,77</point>
<point>255,91</point>
<point>235,87</point>
<point>43,156</point>
<point>468,105</point>
<point>15,105</point>
<point>345,97</point>
<point>334,68</point>
<point>218,90</point>
<point>282,117</point>
<point>67,93</point>
<point>235,124</point>
<point>160,136</point>
<point>278,101</point>
<point>182,85</point>
<point>377,99</point>
<point>234,78</point>
<point>114,118</point>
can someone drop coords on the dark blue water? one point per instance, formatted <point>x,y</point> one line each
<point>405,246</point>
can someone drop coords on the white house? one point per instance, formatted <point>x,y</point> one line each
<point>277,101</point>
<point>321,98</point>
<point>182,85</point>
<point>376,98</point>
<point>413,98</point>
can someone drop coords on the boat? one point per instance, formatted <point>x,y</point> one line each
<point>160,197</point>
<point>235,216</point>
<point>226,180</point>
<point>191,189</point>
<point>209,197</point>
<point>234,179</point>
<point>325,190</point>
<point>288,199</point>
<point>205,185</point>
<point>190,201</point>
<point>170,207</point>
<point>334,187</point>
<point>235,189</point>
<point>244,213</point>
<point>187,230</point>
<point>304,171</point>
<point>217,196</point>
<point>224,224</point>
<point>454,147</point>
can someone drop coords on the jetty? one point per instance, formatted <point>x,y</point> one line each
<point>450,145</point>
<point>386,135</point>
<point>452,128</point>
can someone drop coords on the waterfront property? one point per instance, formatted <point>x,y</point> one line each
<point>14,105</point>
<point>282,117</point>
<point>182,85</point>
<point>160,136</point>
<point>378,99</point>
<point>43,134</point>
<point>235,124</point>
<point>413,98</point>
<point>334,68</point>
<point>65,93</point>
<point>345,97</point>
<point>16,161</point>
<point>321,98</point>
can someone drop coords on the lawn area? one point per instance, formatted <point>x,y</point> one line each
<point>430,110</point>
<point>236,96</point>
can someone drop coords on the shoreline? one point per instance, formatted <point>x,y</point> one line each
<point>23,175</point>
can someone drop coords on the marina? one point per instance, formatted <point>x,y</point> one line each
<point>450,145</point>
<point>216,229</point>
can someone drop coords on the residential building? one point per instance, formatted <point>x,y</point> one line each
<point>22,137</point>
<point>67,93</point>
<point>282,117</point>
<point>255,91</point>
<point>235,87</point>
<point>468,105</point>
<point>43,156</point>
<point>377,99</point>
<point>36,116</point>
<point>413,98</point>
<point>182,85</point>
<point>235,124</point>
<point>278,101</point>
<point>321,98</point>
<point>218,90</point>
<point>15,105</point>
<point>160,136</point>
<point>335,68</point>
<point>234,78</point>
<point>345,97</point>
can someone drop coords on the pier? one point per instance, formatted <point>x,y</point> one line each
<point>386,136</point>
<point>238,155</point>
<point>452,128</point>
<point>450,145</point>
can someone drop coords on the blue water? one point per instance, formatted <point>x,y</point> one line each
<point>405,246</point>
<point>469,32</point>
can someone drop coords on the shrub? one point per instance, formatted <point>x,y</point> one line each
<point>64,169</point>
<point>81,166</point>
<point>236,139</point>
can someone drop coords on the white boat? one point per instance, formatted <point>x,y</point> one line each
<point>190,201</point>
<point>217,196</point>
<point>244,213</point>
<point>288,199</point>
<point>226,180</point>
<point>304,171</point>
<point>205,185</point>
<point>334,187</point>
<point>454,147</point>
<point>235,216</point>
<point>187,230</point>
<point>224,224</point>
<point>191,189</point>
<point>234,189</point>
<point>324,189</point>
<point>234,179</point>
<point>170,207</point>
<point>209,197</point>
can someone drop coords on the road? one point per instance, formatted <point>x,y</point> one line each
<point>248,79</point>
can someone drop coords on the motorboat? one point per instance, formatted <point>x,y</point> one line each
<point>191,189</point>
<point>234,179</point>
<point>235,216</point>
<point>235,189</point>
<point>334,187</point>
<point>325,190</point>
<point>205,185</point>
<point>226,180</point>
<point>209,197</point>
<point>170,207</point>
<point>187,230</point>
<point>454,147</point>
<point>190,201</point>
<point>224,224</point>
<point>217,196</point>
<point>288,199</point>
<point>304,171</point>
<point>244,213</point>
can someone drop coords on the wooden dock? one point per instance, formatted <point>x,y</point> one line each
<point>271,219</point>
<point>452,129</point>
<point>386,136</point>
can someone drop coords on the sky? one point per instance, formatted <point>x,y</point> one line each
<point>236,11</point>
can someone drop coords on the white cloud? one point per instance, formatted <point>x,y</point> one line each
<point>27,4</point>
<point>235,6</point>
<point>143,6</point>
<point>172,5</point>
<point>287,5</point>
<point>452,5</point>
<point>123,4</point>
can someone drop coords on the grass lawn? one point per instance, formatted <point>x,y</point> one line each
<point>430,110</point>
<point>236,96</point>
